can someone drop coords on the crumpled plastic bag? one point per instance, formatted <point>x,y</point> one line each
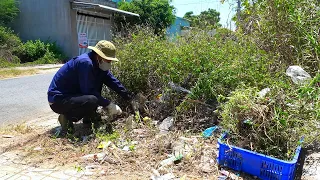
<point>298,75</point>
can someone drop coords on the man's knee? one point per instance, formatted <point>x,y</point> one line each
<point>92,101</point>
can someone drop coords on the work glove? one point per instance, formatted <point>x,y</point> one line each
<point>113,109</point>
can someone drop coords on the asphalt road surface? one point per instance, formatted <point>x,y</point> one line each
<point>24,98</point>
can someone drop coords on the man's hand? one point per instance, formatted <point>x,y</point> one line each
<point>113,109</point>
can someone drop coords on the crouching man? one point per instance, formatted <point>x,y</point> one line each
<point>75,90</point>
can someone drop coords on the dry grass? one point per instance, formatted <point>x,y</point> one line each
<point>12,72</point>
<point>18,129</point>
<point>149,151</point>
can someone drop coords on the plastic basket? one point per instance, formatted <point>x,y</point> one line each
<point>262,166</point>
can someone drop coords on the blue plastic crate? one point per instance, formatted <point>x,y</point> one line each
<point>262,166</point>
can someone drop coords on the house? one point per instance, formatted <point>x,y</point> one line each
<point>72,24</point>
<point>179,28</point>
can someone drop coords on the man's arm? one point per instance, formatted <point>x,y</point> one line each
<point>86,80</point>
<point>116,85</point>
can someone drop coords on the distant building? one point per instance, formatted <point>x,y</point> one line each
<point>72,24</point>
<point>178,28</point>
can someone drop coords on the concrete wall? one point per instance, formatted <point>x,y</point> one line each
<point>46,20</point>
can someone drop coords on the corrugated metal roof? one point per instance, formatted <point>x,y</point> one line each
<point>84,5</point>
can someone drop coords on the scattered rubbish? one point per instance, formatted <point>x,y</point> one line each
<point>179,88</point>
<point>206,168</point>
<point>166,125</point>
<point>103,172</point>
<point>184,177</point>
<point>134,142</point>
<point>104,145</point>
<point>264,92</point>
<point>189,140</point>
<point>37,148</point>
<point>130,122</point>
<point>42,170</point>
<point>94,157</point>
<point>85,139</point>
<point>139,131</point>
<point>229,174</point>
<point>58,131</point>
<point>171,160</point>
<point>222,177</point>
<point>109,160</point>
<point>208,132</point>
<point>224,172</point>
<point>178,149</point>
<point>146,119</point>
<point>126,148</point>
<point>248,121</point>
<point>298,75</point>
<point>88,173</point>
<point>163,177</point>
<point>7,136</point>
<point>155,172</point>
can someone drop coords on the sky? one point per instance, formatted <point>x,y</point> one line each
<point>227,9</point>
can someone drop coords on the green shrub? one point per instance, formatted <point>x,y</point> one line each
<point>8,38</point>
<point>216,65</point>
<point>8,11</point>
<point>273,124</point>
<point>31,51</point>
<point>289,29</point>
<point>8,44</point>
<point>39,51</point>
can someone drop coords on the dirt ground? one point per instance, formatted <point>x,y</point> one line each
<point>146,149</point>
<point>126,153</point>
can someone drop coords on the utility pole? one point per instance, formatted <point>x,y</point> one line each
<point>238,10</point>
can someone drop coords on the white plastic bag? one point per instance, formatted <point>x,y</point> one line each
<point>298,75</point>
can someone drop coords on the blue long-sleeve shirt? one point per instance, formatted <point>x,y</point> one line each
<point>82,76</point>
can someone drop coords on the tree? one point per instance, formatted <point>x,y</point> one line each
<point>158,14</point>
<point>206,19</point>
<point>8,11</point>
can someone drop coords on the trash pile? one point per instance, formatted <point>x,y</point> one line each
<point>157,150</point>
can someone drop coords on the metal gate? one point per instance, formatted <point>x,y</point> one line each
<point>96,28</point>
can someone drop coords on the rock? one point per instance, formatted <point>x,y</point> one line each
<point>166,125</point>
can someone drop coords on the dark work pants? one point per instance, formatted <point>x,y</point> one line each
<point>76,107</point>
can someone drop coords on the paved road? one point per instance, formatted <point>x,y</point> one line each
<point>24,98</point>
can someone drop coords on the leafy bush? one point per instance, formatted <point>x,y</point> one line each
<point>39,51</point>
<point>273,124</point>
<point>14,52</point>
<point>288,29</point>
<point>8,11</point>
<point>210,65</point>
<point>8,43</point>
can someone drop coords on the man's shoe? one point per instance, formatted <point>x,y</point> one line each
<point>66,125</point>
